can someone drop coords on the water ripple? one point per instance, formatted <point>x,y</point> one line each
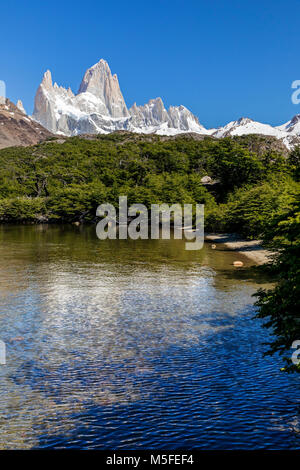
<point>132,346</point>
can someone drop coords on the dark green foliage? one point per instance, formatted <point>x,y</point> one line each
<point>280,306</point>
<point>294,162</point>
<point>67,181</point>
<point>250,210</point>
<point>22,208</point>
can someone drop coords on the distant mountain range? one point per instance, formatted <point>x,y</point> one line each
<point>99,108</point>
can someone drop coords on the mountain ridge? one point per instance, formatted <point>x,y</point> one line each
<point>18,129</point>
<point>99,108</point>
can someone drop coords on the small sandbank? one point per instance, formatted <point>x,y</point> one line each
<point>251,248</point>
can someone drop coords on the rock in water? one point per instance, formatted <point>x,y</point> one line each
<point>238,264</point>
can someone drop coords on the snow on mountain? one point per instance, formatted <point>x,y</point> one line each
<point>21,107</point>
<point>292,126</point>
<point>99,107</point>
<point>100,83</point>
<point>62,112</point>
<point>153,117</point>
<point>247,126</point>
<point>289,133</point>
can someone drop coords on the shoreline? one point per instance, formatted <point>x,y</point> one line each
<point>251,248</point>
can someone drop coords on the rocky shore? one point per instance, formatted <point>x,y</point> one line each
<point>253,249</point>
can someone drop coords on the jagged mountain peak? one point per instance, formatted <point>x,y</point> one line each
<point>100,63</point>
<point>21,107</point>
<point>295,119</point>
<point>292,127</point>
<point>244,120</point>
<point>154,117</point>
<point>99,82</point>
<point>156,101</point>
<point>47,80</point>
<point>99,107</point>
<point>93,75</point>
<point>101,67</point>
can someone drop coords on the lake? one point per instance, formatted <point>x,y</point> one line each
<point>135,345</point>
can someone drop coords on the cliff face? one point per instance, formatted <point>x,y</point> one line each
<point>99,82</point>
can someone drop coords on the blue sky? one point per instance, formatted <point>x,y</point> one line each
<point>221,59</point>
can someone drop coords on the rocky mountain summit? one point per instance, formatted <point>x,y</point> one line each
<point>99,82</point>
<point>99,107</point>
<point>16,128</point>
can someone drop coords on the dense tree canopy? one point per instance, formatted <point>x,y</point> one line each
<point>66,181</point>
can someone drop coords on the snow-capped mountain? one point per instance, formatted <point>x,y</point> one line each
<point>289,133</point>
<point>153,117</point>
<point>246,126</point>
<point>60,111</point>
<point>292,126</point>
<point>99,107</point>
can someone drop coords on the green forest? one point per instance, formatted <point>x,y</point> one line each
<point>65,181</point>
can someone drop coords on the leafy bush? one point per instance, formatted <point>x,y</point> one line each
<point>22,208</point>
<point>250,210</point>
<point>280,306</point>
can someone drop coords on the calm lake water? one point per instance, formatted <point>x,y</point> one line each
<point>134,344</point>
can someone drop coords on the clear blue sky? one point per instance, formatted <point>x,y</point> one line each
<point>221,59</point>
